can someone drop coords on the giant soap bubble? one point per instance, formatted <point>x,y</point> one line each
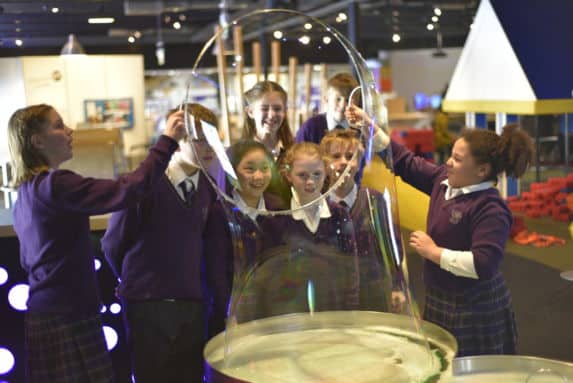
<point>303,289</point>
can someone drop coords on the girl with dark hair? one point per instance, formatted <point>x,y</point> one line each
<point>253,164</point>
<point>64,337</point>
<point>468,225</point>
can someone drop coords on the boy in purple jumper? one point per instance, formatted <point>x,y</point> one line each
<point>338,89</point>
<point>468,226</point>
<point>376,273</point>
<point>64,338</point>
<point>155,248</point>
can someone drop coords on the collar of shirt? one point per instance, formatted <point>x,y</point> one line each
<point>454,192</point>
<point>310,221</point>
<point>247,210</point>
<point>176,174</point>
<point>331,123</point>
<point>349,199</point>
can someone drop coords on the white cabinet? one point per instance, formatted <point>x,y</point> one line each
<point>66,82</point>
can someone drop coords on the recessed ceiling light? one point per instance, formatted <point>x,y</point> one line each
<point>18,42</point>
<point>304,40</point>
<point>101,20</point>
<point>55,10</point>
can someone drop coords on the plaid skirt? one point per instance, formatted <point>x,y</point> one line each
<point>61,349</point>
<point>480,318</point>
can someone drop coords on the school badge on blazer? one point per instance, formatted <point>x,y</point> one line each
<point>455,216</point>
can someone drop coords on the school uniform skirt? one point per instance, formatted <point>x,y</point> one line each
<point>61,349</point>
<point>480,318</point>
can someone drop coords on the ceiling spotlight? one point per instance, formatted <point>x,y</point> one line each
<point>137,34</point>
<point>182,17</point>
<point>304,40</point>
<point>55,10</point>
<point>326,40</point>
<point>160,53</point>
<point>131,39</point>
<point>307,26</point>
<point>435,19</point>
<point>430,27</point>
<point>437,11</point>
<point>177,25</point>
<point>278,35</point>
<point>18,42</point>
<point>343,16</point>
<point>395,37</point>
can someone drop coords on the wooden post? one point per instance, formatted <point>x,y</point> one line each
<point>276,59</point>
<point>257,67</point>
<point>292,107</point>
<point>323,86</point>
<point>307,90</point>
<point>240,63</point>
<point>222,74</point>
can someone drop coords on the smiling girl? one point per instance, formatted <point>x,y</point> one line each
<point>468,225</point>
<point>64,337</point>
<point>266,122</point>
<point>265,117</point>
<point>253,165</point>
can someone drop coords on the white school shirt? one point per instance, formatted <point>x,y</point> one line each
<point>310,221</point>
<point>247,210</point>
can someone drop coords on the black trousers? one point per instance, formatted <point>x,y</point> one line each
<point>166,340</point>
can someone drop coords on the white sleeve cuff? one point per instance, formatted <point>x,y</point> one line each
<point>460,263</point>
<point>380,141</point>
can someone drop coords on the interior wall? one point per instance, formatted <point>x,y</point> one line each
<point>414,71</point>
<point>12,97</point>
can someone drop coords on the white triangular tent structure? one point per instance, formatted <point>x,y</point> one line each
<point>517,60</point>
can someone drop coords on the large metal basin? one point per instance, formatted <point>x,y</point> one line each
<point>510,369</point>
<point>333,347</point>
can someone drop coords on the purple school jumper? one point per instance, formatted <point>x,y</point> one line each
<point>156,248</point>
<point>230,245</point>
<point>477,311</point>
<point>375,272</point>
<point>51,219</point>
<point>64,339</point>
<point>313,129</point>
<point>299,259</point>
